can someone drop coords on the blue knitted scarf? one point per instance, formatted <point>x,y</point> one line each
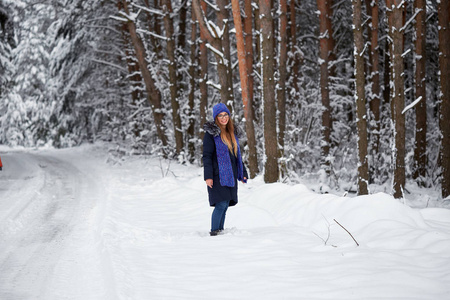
<point>223,155</point>
<point>223,159</point>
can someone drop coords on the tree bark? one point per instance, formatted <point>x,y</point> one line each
<point>374,99</point>
<point>248,36</point>
<point>268,89</point>
<point>363,168</point>
<point>281,90</point>
<point>153,94</point>
<point>397,94</point>
<point>203,61</point>
<point>243,74</point>
<point>248,108</point>
<point>132,65</point>
<point>292,46</point>
<point>324,46</point>
<point>191,96</point>
<point>173,77</point>
<point>181,38</point>
<point>444,63</point>
<point>258,29</point>
<point>387,70</point>
<point>420,146</point>
<point>133,69</point>
<point>331,41</point>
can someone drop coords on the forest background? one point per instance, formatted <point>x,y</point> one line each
<point>348,93</point>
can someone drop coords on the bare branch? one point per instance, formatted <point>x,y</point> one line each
<point>347,232</point>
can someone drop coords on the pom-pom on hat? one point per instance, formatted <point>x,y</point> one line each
<point>220,108</point>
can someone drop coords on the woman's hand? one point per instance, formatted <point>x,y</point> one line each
<point>209,182</point>
<point>244,180</point>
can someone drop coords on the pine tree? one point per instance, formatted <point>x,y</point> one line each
<point>268,90</point>
<point>444,62</point>
<point>325,40</point>
<point>173,76</point>
<point>363,168</point>
<point>397,95</point>
<point>420,145</point>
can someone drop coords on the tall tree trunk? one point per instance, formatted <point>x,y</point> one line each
<point>222,18</point>
<point>268,89</point>
<point>248,108</point>
<point>374,99</point>
<point>420,146</point>
<point>133,70</point>
<point>363,168</point>
<point>258,29</point>
<point>181,38</point>
<point>331,41</point>
<point>153,94</point>
<point>292,46</point>
<point>297,61</point>
<point>398,98</point>
<point>324,46</point>
<point>132,65</point>
<point>444,62</point>
<point>191,96</point>
<point>203,62</point>
<point>387,71</point>
<point>240,44</point>
<point>281,90</point>
<point>243,74</point>
<point>248,36</point>
<point>173,78</point>
<point>215,44</point>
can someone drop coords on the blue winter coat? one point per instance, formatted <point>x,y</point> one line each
<point>211,167</point>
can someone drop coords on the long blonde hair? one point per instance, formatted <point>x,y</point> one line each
<point>228,137</point>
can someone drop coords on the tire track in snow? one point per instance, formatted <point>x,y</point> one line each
<point>48,247</point>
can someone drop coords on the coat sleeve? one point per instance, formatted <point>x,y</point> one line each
<point>208,152</point>
<point>245,171</point>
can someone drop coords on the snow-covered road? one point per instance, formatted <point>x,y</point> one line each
<point>48,228</point>
<point>73,226</point>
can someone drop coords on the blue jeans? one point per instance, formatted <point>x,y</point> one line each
<point>218,215</point>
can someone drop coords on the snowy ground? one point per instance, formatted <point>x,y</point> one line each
<point>73,226</point>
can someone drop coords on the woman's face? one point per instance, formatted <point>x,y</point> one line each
<point>223,118</point>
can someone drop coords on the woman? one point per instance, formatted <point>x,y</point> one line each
<point>222,163</point>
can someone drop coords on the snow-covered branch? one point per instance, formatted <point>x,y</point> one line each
<point>131,17</point>
<point>308,36</point>
<point>412,105</point>
<point>109,64</point>
<point>324,35</point>
<point>363,50</point>
<point>150,10</point>
<point>215,30</point>
<point>152,34</point>
<point>118,18</point>
<point>214,85</point>
<point>401,4</point>
<point>411,19</point>
<point>406,52</point>
<point>214,7</point>
<point>219,53</point>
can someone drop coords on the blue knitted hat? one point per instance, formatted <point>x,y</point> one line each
<point>220,108</point>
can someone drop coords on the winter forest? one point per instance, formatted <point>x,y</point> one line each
<point>348,93</point>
